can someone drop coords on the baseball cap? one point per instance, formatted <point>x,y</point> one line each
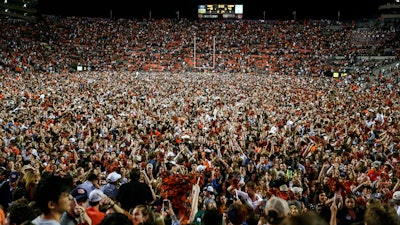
<point>295,203</point>
<point>185,136</point>
<point>27,167</point>
<point>14,176</point>
<point>297,190</point>
<point>376,163</point>
<point>200,168</point>
<point>79,194</point>
<point>210,189</point>
<point>208,150</point>
<point>283,187</point>
<point>278,206</point>
<point>96,195</point>
<point>113,177</point>
<point>281,173</point>
<point>396,197</point>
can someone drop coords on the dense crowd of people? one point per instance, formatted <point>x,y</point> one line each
<point>255,143</point>
<point>281,47</point>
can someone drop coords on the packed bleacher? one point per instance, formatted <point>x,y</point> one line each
<point>284,47</point>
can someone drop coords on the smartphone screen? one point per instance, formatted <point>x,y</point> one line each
<point>166,204</point>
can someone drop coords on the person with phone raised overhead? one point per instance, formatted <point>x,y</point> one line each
<point>168,213</point>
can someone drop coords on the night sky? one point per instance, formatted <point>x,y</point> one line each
<point>253,9</point>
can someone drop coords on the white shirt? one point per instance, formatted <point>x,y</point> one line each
<point>39,221</point>
<point>249,201</point>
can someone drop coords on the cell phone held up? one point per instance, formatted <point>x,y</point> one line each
<point>166,204</point>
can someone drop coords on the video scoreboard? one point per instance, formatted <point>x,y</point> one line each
<point>220,11</point>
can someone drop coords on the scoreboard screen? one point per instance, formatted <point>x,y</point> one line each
<point>220,11</point>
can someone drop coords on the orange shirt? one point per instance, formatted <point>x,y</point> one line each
<point>373,174</point>
<point>96,215</point>
<point>2,216</point>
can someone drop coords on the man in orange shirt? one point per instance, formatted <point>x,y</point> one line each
<point>375,171</point>
<point>93,210</point>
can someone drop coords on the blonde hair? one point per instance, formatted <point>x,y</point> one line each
<point>158,219</point>
<point>30,178</point>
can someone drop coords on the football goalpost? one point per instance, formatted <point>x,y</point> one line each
<point>212,66</point>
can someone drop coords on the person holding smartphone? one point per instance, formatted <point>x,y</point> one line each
<point>168,212</point>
